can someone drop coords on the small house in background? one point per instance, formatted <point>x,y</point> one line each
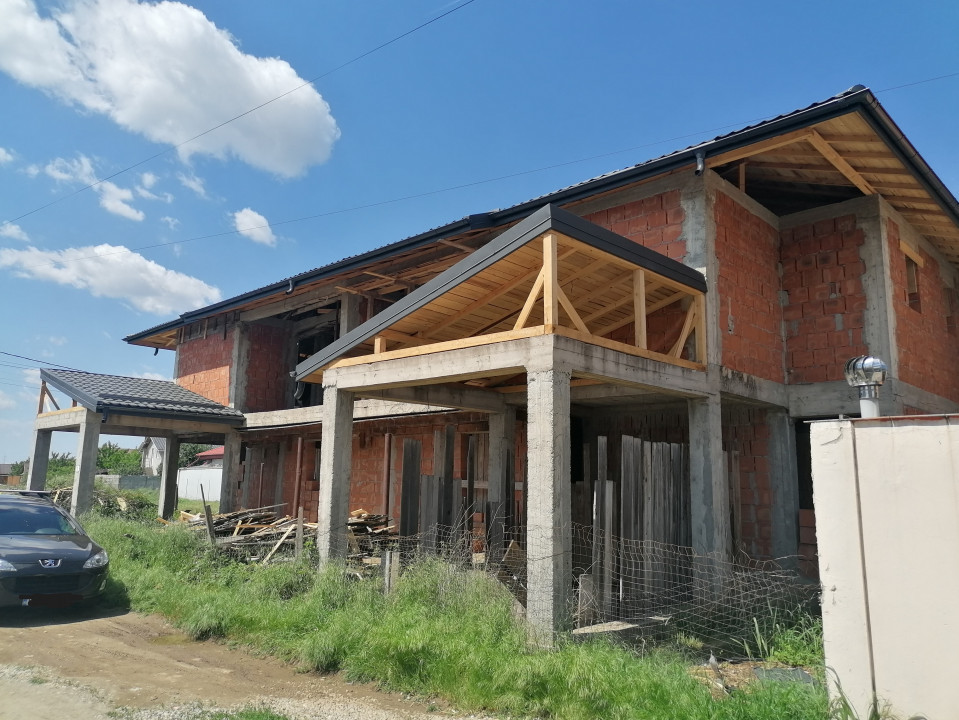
<point>205,472</point>
<point>6,475</point>
<point>152,450</point>
<point>210,458</point>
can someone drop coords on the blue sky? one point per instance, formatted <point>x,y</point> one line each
<point>493,104</point>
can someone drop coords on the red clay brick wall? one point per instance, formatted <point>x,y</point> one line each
<point>747,248</point>
<point>369,440</point>
<point>267,376</point>
<point>655,222</point>
<point>928,347</point>
<point>746,434</point>
<point>823,320</point>
<point>203,366</point>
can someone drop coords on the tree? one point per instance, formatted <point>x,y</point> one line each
<point>116,460</point>
<point>189,451</point>
<point>17,467</point>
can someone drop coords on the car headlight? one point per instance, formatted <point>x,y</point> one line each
<point>7,566</point>
<point>97,561</point>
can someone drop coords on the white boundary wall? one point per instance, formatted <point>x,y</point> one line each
<point>886,493</point>
<point>189,481</point>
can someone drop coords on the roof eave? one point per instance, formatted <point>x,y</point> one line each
<point>861,99</point>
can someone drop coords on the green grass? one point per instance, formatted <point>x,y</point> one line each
<point>443,633</point>
<point>791,637</point>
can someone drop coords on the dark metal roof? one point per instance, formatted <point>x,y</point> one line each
<point>549,217</point>
<point>856,98</point>
<point>138,396</point>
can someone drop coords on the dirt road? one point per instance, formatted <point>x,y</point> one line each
<point>139,661</point>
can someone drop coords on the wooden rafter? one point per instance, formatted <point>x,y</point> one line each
<point>828,152</point>
<point>639,306</point>
<point>45,394</point>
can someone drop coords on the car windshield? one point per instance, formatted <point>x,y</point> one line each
<point>35,519</point>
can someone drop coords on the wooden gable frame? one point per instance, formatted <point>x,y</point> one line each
<point>605,292</point>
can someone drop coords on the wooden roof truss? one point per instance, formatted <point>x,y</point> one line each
<point>553,284</point>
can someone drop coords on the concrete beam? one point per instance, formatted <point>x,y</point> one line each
<point>169,478</point>
<point>336,451</point>
<point>828,399</point>
<point>599,363</point>
<point>709,492</point>
<point>442,396</point>
<point>69,419</point>
<point>548,519</point>
<point>88,445</point>
<point>750,387</point>
<point>39,459</point>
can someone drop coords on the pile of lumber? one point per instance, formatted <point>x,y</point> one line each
<point>256,533</point>
<point>362,522</point>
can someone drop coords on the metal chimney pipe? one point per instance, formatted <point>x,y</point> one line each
<point>867,373</point>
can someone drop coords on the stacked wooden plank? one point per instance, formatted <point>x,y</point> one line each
<point>362,522</point>
<point>255,533</point>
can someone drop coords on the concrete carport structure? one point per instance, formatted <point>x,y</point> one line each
<point>113,405</point>
<point>527,320</point>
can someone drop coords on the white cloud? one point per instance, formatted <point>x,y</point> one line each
<point>144,189</point>
<point>148,180</point>
<point>57,340</point>
<point>192,182</point>
<point>170,222</point>
<point>166,72</point>
<point>72,171</point>
<point>14,232</point>
<point>112,271</point>
<point>6,402</point>
<point>5,156</point>
<point>113,198</point>
<point>249,223</point>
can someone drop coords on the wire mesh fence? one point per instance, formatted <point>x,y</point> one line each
<point>643,591</point>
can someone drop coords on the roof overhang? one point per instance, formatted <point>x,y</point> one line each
<point>904,161</point>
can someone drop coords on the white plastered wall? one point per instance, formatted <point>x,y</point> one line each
<point>887,514</point>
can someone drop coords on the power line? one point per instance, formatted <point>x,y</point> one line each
<point>426,193</point>
<point>20,385</point>
<point>42,362</point>
<point>243,114</point>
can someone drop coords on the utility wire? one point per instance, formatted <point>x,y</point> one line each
<point>42,362</point>
<point>243,114</point>
<point>414,196</point>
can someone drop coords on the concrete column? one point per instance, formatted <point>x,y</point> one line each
<point>168,478</point>
<point>349,313</point>
<point>39,459</point>
<point>784,482</point>
<point>548,521</point>
<point>336,454</point>
<point>709,492</point>
<point>86,467</point>
<point>502,441</point>
<point>232,447</point>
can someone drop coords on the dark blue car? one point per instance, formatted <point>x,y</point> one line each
<point>46,559</point>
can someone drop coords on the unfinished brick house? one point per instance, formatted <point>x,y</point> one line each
<point>503,369</point>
